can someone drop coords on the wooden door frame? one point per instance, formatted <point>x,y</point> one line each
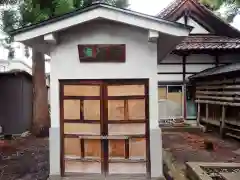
<point>104,126</point>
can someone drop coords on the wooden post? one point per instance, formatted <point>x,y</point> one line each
<point>198,114</point>
<point>222,121</point>
<point>207,114</point>
<point>41,120</point>
<point>184,88</point>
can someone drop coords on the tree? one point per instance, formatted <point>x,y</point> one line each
<point>8,23</point>
<point>231,7</point>
<point>28,12</point>
<point>34,11</point>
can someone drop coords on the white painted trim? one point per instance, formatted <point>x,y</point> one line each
<point>50,38</point>
<point>113,14</point>
<point>153,36</point>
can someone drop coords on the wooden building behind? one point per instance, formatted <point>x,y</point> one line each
<point>217,94</point>
<point>212,43</point>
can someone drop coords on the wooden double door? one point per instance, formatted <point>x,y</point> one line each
<point>104,127</point>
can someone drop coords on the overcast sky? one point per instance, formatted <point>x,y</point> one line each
<point>151,7</point>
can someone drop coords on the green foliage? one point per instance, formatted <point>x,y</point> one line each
<point>10,21</point>
<point>21,13</point>
<point>33,11</point>
<point>62,7</point>
<point>212,4</point>
<point>231,6</point>
<point>118,3</point>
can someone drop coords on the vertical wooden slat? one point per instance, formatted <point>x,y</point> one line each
<point>82,148</point>
<point>184,89</point>
<point>207,115</point>
<point>147,107</point>
<point>81,110</point>
<point>223,121</point>
<point>102,106</point>
<point>62,162</point>
<point>198,113</point>
<point>126,113</point>
<point>105,128</point>
<point>126,148</point>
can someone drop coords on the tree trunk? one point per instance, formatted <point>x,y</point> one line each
<point>41,120</point>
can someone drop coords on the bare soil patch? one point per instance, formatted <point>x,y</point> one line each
<point>24,159</point>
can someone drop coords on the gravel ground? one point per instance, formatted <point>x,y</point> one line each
<point>24,159</point>
<point>189,147</point>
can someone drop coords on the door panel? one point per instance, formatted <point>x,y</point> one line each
<point>87,129</point>
<point>104,126</point>
<point>92,148</point>
<point>91,110</point>
<point>81,90</point>
<point>137,147</point>
<point>116,110</point>
<point>116,149</point>
<point>126,90</point>
<point>129,108</point>
<point>127,168</point>
<point>126,129</point>
<point>162,93</point>
<point>72,147</point>
<point>136,109</point>
<point>72,109</point>
<point>175,97</point>
<point>72,166</point>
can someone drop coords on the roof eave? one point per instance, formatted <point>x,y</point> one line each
<point>101,11</point>
<point>96,6</point>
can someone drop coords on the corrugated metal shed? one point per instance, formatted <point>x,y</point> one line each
<point>15,102</point>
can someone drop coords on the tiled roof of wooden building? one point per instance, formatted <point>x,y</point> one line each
<point>222,36</point>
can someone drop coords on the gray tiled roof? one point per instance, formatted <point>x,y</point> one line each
<point>209,42</point>
<point>171,7</point>
<point>201,42</point>
<point>217,71</point>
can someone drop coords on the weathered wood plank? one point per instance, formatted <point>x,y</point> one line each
<point>218,98</point>
<point>198,113</point>
<point>219,87</point>
<point>230,93</point>
<point>217,82</point>
<point>217,102</point>
<point>223,121</point>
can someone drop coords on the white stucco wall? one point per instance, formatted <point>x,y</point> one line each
<point>195,68</point>
<point>172,58</point>
<point>170,67</point>
<point>170,78</point>
<point>200,58</point>
<point>141,59</point>
<point>202,62</point>
<point>141,62</point>
<point>198,29</point>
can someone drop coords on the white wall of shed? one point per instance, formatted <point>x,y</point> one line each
<point>141,62</point>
